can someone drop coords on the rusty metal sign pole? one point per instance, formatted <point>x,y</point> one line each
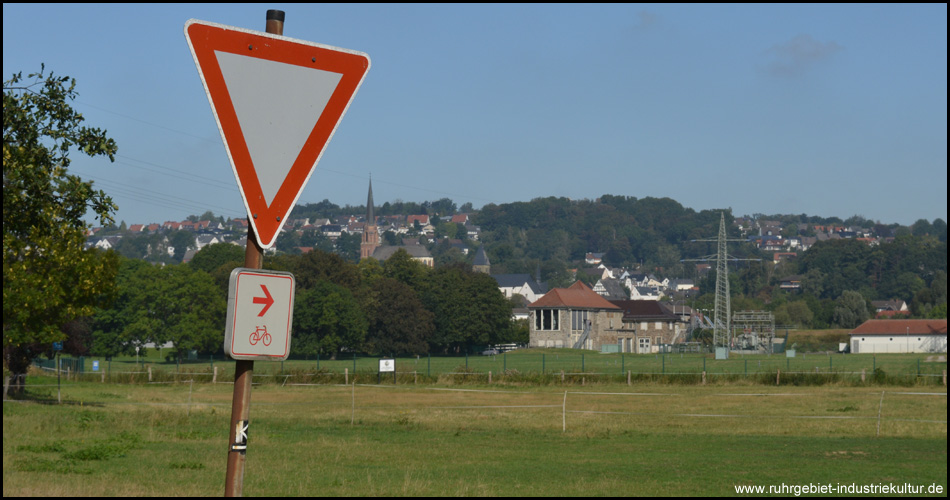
<point>244,369</point>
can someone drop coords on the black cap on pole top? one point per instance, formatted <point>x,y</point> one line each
<point>275,15</point>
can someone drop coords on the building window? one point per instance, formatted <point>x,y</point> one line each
<point>578,320</point>
<point>546,319</point>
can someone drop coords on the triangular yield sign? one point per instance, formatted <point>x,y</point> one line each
<point>277,102</point>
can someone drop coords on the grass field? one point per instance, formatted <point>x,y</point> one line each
<point>451,439</point>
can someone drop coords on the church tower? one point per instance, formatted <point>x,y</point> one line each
<point>370,232</point>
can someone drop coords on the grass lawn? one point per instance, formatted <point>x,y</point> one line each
<point>474,439</point>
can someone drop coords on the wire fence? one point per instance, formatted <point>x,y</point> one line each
<point>545,367</point>
<point>570,408</point>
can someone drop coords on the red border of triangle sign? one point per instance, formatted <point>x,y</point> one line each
<point>340,72</point>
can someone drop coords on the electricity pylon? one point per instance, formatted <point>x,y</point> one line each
<point>722,329</point>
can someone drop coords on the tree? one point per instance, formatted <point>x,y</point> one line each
<point>469,309</point>
<point>181,241</point>
<point>327,320</point>
<point>402,325</point>
<point>213,256</point>
<point>172,303</point>
<point>48,278</point>
<point>850,310</point>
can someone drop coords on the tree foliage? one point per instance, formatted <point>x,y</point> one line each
<point>48,278</point>
<point>175,304</point>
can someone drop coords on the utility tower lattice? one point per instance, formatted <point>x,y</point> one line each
<point>722,331</point>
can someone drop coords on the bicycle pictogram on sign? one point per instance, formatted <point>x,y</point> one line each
<point>260,335</point>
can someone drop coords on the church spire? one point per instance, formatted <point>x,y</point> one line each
<point>370,211</point>
<point>370,240</point>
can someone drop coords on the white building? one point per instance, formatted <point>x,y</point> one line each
<point>900,335</point>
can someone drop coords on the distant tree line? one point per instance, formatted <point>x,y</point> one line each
<point>397,307</point>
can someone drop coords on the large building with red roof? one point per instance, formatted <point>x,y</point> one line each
<point>900,335</point>
<point>559,318</point>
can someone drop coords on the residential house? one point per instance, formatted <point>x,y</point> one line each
<point>647,325</point>
<point>680,285</point>
<point>890,308</point>
<point>203,240</point>
<point>594,258</point>
<point>793,282</point>
<point>472,231</point>
<point>610,289</point>
<point>644,293</point>
<point>519,284</point>
<point>561,317</point>
<point>332,231</point>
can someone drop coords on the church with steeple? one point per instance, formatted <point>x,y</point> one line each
<point>371,247</point>
<point>370,232</point>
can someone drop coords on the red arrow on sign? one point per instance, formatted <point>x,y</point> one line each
<point>267,300</point>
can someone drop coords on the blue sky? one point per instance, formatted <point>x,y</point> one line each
<point>830,110</point>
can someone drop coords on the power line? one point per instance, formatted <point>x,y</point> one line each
<point>215,141</point>
<point>158,199</point>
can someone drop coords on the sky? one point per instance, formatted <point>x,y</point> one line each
<point>828,110</point>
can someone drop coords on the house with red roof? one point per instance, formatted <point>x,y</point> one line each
<point>565,317</point>
<point>900,335</point>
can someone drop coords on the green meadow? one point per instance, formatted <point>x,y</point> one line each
<point>450,435</point>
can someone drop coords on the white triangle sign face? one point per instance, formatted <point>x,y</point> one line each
<point>277,102</point>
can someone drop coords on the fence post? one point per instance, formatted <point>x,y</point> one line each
<point>542,368</point>
<point>879,410</point>
<point>582,362</point>
<point>628,377</point>
<point>214,375</point>
<point>149,373</point>
<point>429,366</point>
<point>489,377</point>
<point>863,374</point>
<point>346,375</point>
<point>778,376</point>
<point>562,376</point>
<point>564,413</point>
<point>704,375</point>
<point>945,378</point>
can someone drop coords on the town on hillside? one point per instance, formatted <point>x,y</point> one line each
<point>639,285</point>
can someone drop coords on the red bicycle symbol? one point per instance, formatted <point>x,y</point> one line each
<point>261,335</point>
